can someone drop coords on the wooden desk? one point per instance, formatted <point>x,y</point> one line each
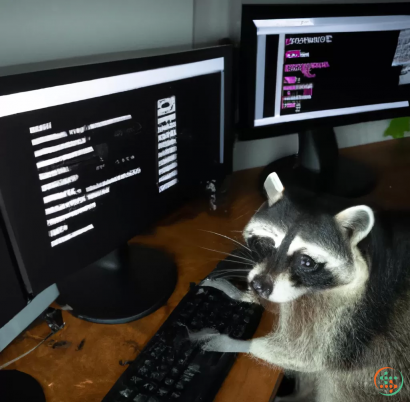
<point>68,375</point>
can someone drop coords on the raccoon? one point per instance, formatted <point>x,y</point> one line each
<point>341,280</point>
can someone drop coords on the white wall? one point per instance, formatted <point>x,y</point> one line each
<point>223,17</point>
<point>250,154</point>
<point>38,30</point>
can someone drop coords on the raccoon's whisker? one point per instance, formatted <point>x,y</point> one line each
<point>234,261</point>
<point>233,270</point>
<point>227,237</point>
<point>230,255</point>
<point>234,276</point>
<point>219,274</point>
<point>228,275</point>
<point>241,216</point>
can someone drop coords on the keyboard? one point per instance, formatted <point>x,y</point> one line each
<point>170,367</point>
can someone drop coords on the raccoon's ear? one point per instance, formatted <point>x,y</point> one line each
<point>274,188</point>
<point>357,221</point>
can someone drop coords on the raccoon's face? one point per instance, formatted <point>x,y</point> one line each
<point>297,252</point>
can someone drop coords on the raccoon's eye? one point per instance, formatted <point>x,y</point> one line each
<point>307,263</point>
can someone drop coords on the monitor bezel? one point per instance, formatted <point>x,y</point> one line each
<point>248,56</point>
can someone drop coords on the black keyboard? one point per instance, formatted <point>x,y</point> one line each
<point>171,368</point>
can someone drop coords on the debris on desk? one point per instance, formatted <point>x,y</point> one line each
<point>125,362</point>
<point>61,345</point>
<point>83,384</point>
<point>80,345</point>
<point>134,345</point>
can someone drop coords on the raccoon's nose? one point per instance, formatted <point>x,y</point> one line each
<point>262,285</point>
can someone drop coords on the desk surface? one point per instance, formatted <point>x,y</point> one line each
<point>68,375</point>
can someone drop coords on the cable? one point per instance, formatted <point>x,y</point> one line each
<point>25,354</point>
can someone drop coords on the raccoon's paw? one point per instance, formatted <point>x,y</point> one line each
<point>224,286</point>
<point>211,341</point>
<point>203,335</point>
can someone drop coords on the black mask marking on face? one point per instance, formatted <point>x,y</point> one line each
<point>261,247</point>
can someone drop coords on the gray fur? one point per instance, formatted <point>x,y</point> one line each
<point>316,336</point>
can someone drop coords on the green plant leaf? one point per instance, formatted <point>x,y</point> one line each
<point>398,127</point>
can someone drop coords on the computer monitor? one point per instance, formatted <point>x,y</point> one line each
<point>309,68</point>
<point>93,155</point>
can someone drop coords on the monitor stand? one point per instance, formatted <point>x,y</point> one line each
<point>318,167</point>
<point>126,285</point>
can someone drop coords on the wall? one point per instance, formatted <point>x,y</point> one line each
<point>250,154</point>
<point>38,30</point>
<point>223,18</point>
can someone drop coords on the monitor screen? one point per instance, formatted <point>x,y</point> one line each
<point>307,69</point>
<point>85,164</point>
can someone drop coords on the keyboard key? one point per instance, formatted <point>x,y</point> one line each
<point>202,291</point>
<point>179,385</point>
<point>158,376</point>
<point>163,391</point>
<point>174,372</point>
<point>170,358</point>
<point>195,368</point>
<point>169,381</point>
<point>134,380</point>
<point>153,399</point>
<point>220,325</point>
<point>182,361</point>
<point>150,386</point>
<point>144,371</point>
<point>175,395</point>
<point>247,319</point>
<point>185,314</point>
<point>194,324</point>
<point>239,331</point>
<point>140,398</point>
<point>189,352</point>
<point>126,393</point>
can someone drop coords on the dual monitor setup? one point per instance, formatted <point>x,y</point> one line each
<point>92,155</point>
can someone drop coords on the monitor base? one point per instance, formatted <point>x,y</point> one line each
<point>319,168</point>
<point>126,285</point>
<point>16,386</point>
<point>351,180</point>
